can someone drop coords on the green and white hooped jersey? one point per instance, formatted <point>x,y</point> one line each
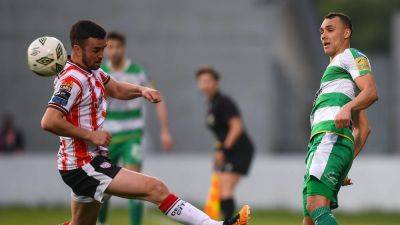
<point>125,119</point>
<point>337,88</point>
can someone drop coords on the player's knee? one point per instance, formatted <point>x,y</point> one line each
<point>315,202</point>
<point>157,188</point>
<point>311,206</point>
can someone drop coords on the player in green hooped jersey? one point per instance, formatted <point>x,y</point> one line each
<point>125,119</point>
<point>339,125</point>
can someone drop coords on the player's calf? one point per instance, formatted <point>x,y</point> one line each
<point>84,213</point>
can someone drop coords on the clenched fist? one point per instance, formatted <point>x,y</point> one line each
<point>100,138</point>
<point>343,118</point>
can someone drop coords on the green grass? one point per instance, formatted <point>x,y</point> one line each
<point>56,215</point>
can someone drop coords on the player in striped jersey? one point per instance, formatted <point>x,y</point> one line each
<point>125,119</point>
<point>339,125</point>
<point>76,113</point>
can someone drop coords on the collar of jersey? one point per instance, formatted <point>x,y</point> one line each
<point>337,56</point>
<point>79,68</point>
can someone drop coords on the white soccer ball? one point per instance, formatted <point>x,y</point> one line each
<point>46,56</point>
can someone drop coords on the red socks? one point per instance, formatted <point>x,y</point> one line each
<point>168,203</point>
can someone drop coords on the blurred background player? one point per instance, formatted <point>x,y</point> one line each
<point>339,124</point>
<point>125,119</point>
<point>234,148</point>
<point>11,138</point>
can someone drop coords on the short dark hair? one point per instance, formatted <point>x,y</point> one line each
<point>343,17</point>
<point>116,36</point>
<point>84,29</point>
<point>209,70</point>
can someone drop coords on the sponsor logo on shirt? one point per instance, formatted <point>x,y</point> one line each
<point>362,63</point>
<point>58,100</point>
<point>62,95</point>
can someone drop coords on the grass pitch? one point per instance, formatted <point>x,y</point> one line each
<point>119,216</point>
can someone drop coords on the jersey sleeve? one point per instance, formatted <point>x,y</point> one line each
<point>148,81</point>
<point>66,93</point>
<point>105,77</point>
<point>356,63</point>
<point>145,80</point>
<point>229,109</point>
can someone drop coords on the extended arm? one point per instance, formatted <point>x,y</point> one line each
<point>127,91</point>
<point>165,135</point>
<point>53,121</point>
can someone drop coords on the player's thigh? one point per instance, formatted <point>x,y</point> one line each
<point>134,185</point>
<point>84,213</point>
<point>331,160</point>
<point>228,182</point>
<point>316,201</point>
<point>316,194</point>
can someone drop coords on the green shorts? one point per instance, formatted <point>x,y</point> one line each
<point>328,161</point>
<point>127,148</point>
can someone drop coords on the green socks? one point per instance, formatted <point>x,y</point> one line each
<point>323,216</point>
<point>135,211</point>
<point>103,213</point>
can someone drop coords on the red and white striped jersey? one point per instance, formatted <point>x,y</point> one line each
<point>81,97</point>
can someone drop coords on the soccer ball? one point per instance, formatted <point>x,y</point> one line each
<point>46,56</point>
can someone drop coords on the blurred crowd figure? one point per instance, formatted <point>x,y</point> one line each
<point>11,139</point>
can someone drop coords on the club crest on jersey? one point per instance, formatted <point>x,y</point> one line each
<point>67,86</point>
<point>105,165</point>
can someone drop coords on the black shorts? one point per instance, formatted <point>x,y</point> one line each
<point>89,182</point>
<point>237,160</point>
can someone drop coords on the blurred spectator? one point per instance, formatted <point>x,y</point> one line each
<point>11,139</point>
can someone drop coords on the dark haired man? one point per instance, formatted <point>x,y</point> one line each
<point>234,148</point>
<point>125,119</point>
<point>339,124</point>
<point>76,113</point>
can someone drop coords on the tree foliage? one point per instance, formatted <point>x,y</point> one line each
<point>371,21</point>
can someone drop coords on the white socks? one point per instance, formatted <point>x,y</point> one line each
<point>184,212</point>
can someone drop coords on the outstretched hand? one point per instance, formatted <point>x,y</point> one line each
<point>151,95</point>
